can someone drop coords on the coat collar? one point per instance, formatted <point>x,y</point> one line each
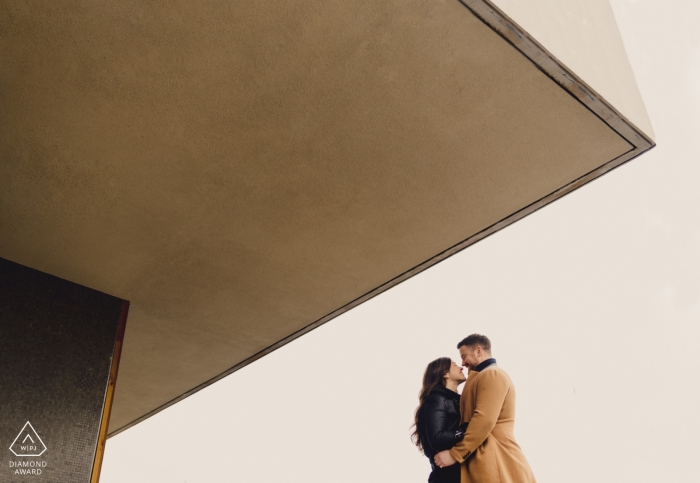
<point>485,364</point>
<point>445,392</point>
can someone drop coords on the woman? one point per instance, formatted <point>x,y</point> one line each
<point>437,416</point>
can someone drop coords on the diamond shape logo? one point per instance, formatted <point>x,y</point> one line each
<point>28,442</point>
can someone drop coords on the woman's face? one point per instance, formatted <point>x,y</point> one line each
<point>455,373</point>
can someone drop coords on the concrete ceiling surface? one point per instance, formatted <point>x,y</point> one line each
<point>240,170</point>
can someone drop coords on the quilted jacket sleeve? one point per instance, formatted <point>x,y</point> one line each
<point>440,430</point>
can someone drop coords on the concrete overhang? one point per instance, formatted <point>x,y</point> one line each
<point>243,172</point>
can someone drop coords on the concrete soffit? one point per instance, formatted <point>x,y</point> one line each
<point>489,14</point>
<point>243,174</point>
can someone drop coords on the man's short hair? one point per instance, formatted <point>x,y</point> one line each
<point>475,340</point>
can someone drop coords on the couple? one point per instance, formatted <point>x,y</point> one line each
<point>469,439</point>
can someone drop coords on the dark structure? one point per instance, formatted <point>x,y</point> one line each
<point>59,351</point>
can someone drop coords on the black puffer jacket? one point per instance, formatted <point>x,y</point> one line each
<point>439,429</point>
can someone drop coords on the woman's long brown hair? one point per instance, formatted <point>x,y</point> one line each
<point>433,376</point>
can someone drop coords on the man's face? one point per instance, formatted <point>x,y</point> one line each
<point>470,356</point>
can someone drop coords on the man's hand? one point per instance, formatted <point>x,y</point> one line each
<point>444,458</point>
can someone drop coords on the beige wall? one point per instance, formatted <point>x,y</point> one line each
<point>583,35</point>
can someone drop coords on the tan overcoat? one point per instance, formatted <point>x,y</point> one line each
<point>488,452</point>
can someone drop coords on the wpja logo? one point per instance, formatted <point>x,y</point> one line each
<point>28,444</point>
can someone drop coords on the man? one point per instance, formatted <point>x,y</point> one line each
<point>488,452</point>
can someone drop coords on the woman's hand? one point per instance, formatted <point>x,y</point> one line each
<point>444,458</point>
